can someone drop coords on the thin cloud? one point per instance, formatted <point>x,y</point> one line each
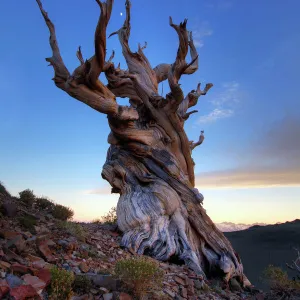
<point>104,190</point>
<point>200,32</point>
<point>215,115</point>
<point>224,103</point>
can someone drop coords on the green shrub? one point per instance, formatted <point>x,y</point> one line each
<point>27,197</point>
<point>62,212</point>
<point>97,221</point>
<point>279,282</point>
<point>141,274</point>
<point>76,230</point>
<point>43,203</point>
<point>61,284</point>
<point>3,190</point>
<point>82,284</point>
<point>111,217</point>
<point>28,222</point>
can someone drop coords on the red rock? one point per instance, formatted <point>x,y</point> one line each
<point>4,265</point>
<point>179,280</point>
<point>124,296</point>
<point>23,292</point>
<point>84,267</point>
<point>19,268</point>
<point>184,293</point>
<point>4,288</point>
<point>44,275</point>
<point>45,251</point>
<point>35,282</point>
<point>1,253</point>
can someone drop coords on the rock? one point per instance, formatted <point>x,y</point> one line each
<point>106,281</point>
<point>24,292</point>
<point>18,242</point>
<point>44,275</point>
<point>13,281</point>
<point>107,296</point>
<point>124,296</point>
<point>179,280</point>
<point>184,292</point>
<point>84,267</point>
<point>67,267</point>
<point>45,251</point>
<point>4,265</point>
<point>170,293</point>
<point>9,209</point>
<point>35,282</point>
<point>19,268</point>
<point>4,288</point>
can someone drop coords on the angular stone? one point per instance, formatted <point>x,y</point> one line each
<point>106,281</point>
<point>24,292</point>
<point>4,265</point>
<point>179,280</point>
<point>44,275</point>
<point>35,282</point>
<point>18,242</point>
<point>18,268</point>
<point>124,296</point>
<point>184,292</point>
<point>107,296</point>
<point>84,267</point>
<point>45,251</point>
<point>4,288</point>
<point>13,281</point>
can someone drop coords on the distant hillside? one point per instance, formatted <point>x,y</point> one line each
<point>260,246</point>
<point>228,226</point>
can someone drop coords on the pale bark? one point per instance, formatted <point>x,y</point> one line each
<point>149,162</point>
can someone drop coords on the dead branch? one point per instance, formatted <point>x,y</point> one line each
<point>200,141</point>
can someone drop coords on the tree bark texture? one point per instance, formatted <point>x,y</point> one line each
<point>149,162</point>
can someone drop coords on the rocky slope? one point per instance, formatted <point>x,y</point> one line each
<point>29,249</point>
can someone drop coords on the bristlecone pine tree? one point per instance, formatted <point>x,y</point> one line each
<point>149,162</point>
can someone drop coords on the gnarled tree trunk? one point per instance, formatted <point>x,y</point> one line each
<point>149,162</point>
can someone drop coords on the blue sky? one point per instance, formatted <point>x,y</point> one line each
<point>248,168</point>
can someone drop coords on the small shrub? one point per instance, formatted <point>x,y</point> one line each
<point>61,284</point>
<point>279,282</point>
<point>76,230</point>
<point>43,203</point>
<point>141,274</point>
<point>28,222</point>
<point>62,212</point>
<point>111,217</point>
<point>82,284</point>
<point>97,221</point>
<point>27,197</point>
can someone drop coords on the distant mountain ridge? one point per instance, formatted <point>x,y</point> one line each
<point>230,227</point>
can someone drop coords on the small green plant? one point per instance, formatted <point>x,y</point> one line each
<point>43,203</point>
<point>110,218</point>
<point>62,212</point>
<point>27,197</point>
<point>76,230</point>
<point>82,284</point>
<point>61,284</point>
<point>141,274</point>
<point>28,222</point>
<point>279,282</point>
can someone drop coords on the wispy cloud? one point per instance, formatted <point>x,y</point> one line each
<point>224,103</point>
<point>215,115</point>
<point>201,31</point>
<point>104,190</point>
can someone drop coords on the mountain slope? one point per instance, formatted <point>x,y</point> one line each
<point>260,246</point>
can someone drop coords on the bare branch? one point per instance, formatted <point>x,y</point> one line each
<point>162,70</point>
<point>187,115</point>
<point>97,62</point>
<point>79,56</point>
<point>61,72</point>
<point>200,141</point>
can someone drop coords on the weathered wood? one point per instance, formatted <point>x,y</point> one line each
<point>149,162</point>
